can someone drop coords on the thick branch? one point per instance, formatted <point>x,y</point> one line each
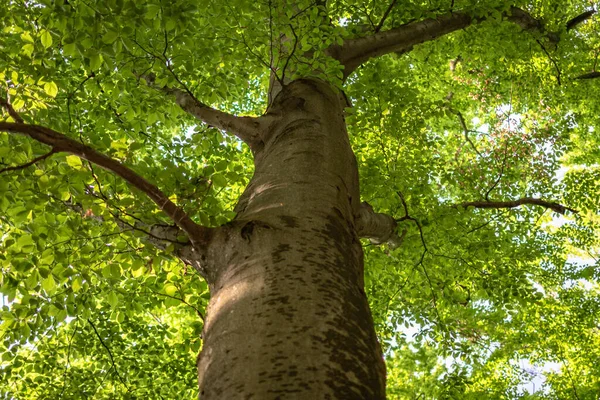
<point>378,228</point>
<point>589,75</point>
<point>355,52</point>
<point>61,143</point>
<point>246,129</point>
<point>581,18</point>
<point>556,207</point>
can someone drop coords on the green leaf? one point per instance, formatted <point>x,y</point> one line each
<point>115,271</point>
<point>18,103</point>
<point>77,284</point>
<point>170,289</point>
<point>219,180</point>
<point>27,49</point>
<point>51,89</point>
<point>110,37</point>
<point>26,36</point>
<point>112,299</point>
<point>48,284</point>
<point>74,161</point>
<point>95,61</point>
<point>46,38</point>
<point>25,241</point>
<point>70,49</point>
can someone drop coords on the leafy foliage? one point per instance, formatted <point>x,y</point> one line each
<point>91,310</point>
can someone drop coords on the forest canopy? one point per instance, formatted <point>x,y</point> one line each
<point>480,141</point>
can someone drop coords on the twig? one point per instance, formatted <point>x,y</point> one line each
<point>552,60</point>
<point>68,362</point>
<point>11,111</point>
<point>422,258</point>
<point>497,181</point>
<point>198,312</point>
<point>467,131</point>
<point>30,163</point>
<point>282,81</point>
<point>385,15</point>
<point>112,360</point>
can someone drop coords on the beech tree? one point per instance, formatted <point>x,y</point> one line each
<point>300,192</point>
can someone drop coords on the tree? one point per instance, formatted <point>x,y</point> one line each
<point>155,152</point>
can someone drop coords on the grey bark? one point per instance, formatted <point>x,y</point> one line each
<point>288,316</point>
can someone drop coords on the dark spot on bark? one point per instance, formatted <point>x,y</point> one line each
<point>278,300</point>
<point>288,221</point>
<point>279,251</point>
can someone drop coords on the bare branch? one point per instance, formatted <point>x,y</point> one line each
<point>61,143</point>
<point>30,163</point>
<point>246,129</point>
<point>556,207</point>
<point>354,52</point>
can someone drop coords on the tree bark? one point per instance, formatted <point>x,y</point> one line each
<point>288,316</point>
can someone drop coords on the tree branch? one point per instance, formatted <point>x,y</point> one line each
<point>159,236</point>
<point>61,143</point>
<point>589,75</point>
<point>354,52</point>
<point>556,207</point>
<point>4,103</point>
<point>30,163</point>
<point>378,228</point>
<point>246,129</point>
<point>581,18</point>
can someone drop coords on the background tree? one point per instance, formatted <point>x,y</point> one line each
<point>154,152</point>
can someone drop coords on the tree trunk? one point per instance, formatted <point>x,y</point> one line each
<point>288,316</point>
